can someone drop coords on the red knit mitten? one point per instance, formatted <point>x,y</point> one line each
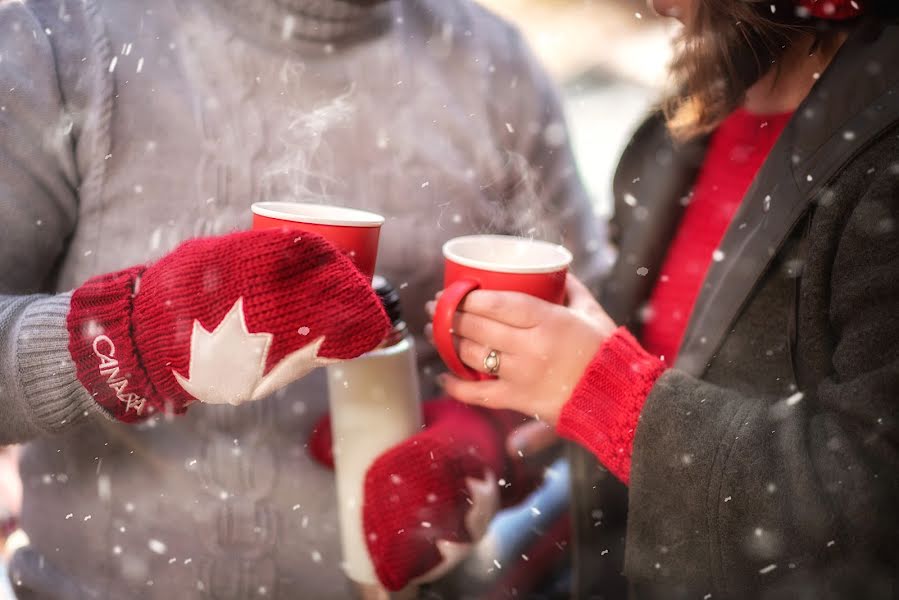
<point>221,320</point>
<point>430,498</point>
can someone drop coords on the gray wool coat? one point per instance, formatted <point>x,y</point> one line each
<point>765,460</point>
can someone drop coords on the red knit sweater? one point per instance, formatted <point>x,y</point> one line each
<point>603,411</point>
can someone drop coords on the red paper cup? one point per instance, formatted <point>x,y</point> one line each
<point>494,262</point>
<point>355,232</point>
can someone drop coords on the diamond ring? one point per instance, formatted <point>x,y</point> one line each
<point>491,362</point>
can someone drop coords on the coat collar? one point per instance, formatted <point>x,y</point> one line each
<point>854,101</point>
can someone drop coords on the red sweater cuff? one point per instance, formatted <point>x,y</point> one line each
<point>603,411</point>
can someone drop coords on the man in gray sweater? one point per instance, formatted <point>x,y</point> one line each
<point>128,127</point>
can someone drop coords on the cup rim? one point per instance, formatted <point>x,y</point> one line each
<point>563,262</point>
<point>317,214</point>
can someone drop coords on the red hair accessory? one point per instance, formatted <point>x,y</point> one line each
<point>836,10</point>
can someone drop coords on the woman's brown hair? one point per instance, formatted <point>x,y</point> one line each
<point>724,49</point>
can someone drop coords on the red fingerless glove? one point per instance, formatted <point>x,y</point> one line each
<point>220,320</point>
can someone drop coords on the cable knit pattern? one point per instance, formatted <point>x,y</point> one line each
<point>603,411</point>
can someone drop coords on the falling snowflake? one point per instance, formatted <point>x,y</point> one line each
<point>794,399</point>
<point>555,135</point>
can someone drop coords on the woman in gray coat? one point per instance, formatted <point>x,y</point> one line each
<point>738,378</point>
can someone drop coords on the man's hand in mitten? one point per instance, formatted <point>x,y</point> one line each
<point>221,320</point>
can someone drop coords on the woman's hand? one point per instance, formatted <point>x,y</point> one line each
<point>544,348</point>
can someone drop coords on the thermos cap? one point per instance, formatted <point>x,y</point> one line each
<point>390,299</point>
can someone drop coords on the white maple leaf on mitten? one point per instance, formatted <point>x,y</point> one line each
<point>227,364</point>
<point>484,496</point>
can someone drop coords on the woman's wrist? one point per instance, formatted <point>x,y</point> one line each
<point>603,411</point>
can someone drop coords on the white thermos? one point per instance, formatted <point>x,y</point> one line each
<point>375,404</point>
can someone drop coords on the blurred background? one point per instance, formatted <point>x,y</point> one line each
<point>608,58</point>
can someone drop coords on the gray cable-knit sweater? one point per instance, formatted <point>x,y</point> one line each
<point>127,127</point>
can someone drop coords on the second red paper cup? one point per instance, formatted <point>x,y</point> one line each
<point>354,232</point>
